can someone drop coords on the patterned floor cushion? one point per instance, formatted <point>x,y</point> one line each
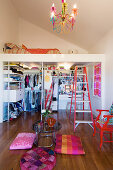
<point>68,144</point>
<point>38,159</point>
<point>23,141</point>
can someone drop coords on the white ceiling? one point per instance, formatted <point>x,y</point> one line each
<point>95,18</point>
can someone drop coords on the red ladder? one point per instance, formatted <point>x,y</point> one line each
<point>48,99</point>
<point>72,94</point>
<point>84,91</point>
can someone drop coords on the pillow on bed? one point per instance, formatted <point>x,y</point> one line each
<point>16,51</point>
<point>23,141</point>
<point>53,51</point>
<point>24,47</point>
<point>10,46</point>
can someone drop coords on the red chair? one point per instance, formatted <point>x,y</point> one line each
<point>105,126</point>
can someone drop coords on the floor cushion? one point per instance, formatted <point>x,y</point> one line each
<point>23,141</point>
<point>68,144</point>
<point>38,159</point>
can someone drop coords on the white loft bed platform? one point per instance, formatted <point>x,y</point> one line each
<point>51,58</point>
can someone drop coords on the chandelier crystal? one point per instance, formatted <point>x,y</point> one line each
<point>63,22</point>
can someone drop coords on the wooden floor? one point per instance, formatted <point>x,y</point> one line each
<point>94,158</point>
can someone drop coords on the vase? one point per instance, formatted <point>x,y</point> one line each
<point>51,121</point>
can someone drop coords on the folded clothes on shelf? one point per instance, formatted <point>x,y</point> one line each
<point>14,70</point>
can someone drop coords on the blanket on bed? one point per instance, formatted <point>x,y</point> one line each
<point>11,48</point>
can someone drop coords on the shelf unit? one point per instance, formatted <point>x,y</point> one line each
<point>13,86</point>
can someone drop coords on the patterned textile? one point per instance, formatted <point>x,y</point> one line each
<point>43,51</point>
<point>102,121</point>
<point>69,144</point>
<point>10,46</point>
<point>38,159</point>
<point>16,51</point>
<point>24,47</point>
<point>53,51</point>
<point>23,141</point>
<point>31,51</point>
<point>111,109</point>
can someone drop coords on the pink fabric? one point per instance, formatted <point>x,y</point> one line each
<point>38,159</point>
<point>23,141</point>
<point>69,144</point>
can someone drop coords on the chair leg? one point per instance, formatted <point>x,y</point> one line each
<point>94,131</point>
<point>101,138</point>
<point>111,136</point>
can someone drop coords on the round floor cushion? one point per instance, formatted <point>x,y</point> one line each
<point>38,159</point>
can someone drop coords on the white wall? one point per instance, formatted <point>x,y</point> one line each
<point>105,46</point>
<point>8,23</point>
<point>1,92</point>
<point>36,37</point>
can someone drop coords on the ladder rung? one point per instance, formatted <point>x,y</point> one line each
<point>82,82</point>
<point>81,75</point>
<point>83,121</point>
<point>87,111</point>
<point>82,101</point>
<point>81,91</point>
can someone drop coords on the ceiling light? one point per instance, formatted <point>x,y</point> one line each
<point>63,22</point>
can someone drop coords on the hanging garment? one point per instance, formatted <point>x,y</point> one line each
<point>55,90</point>
<point>39,101</point>
<point>27,80</point>
<point>34,80</point>
<point>33,98</point>
<point>27,101</point>
<point>37,78</point>
<point>31,81</point>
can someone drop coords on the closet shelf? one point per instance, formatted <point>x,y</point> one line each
<point>14,81</point>
<point>14,66</point>
<point>13,95</point>
<point>62,76</point>
<point>14,74</point>
<point>65,76</point>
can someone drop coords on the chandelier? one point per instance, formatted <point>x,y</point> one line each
<point>63,22</point>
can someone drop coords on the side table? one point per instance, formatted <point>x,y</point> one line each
<point>45,131</point>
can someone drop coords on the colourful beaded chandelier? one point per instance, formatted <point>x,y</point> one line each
<point>63,22</point>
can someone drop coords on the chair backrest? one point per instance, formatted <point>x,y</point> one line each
<point>111,109</point>
<point>111,113</point>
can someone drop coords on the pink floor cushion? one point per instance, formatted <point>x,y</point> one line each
<point>23,141</point>
<point>68,144</point>
<point>38,159</point>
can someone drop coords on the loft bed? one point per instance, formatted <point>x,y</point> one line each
<point>11,48</point>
